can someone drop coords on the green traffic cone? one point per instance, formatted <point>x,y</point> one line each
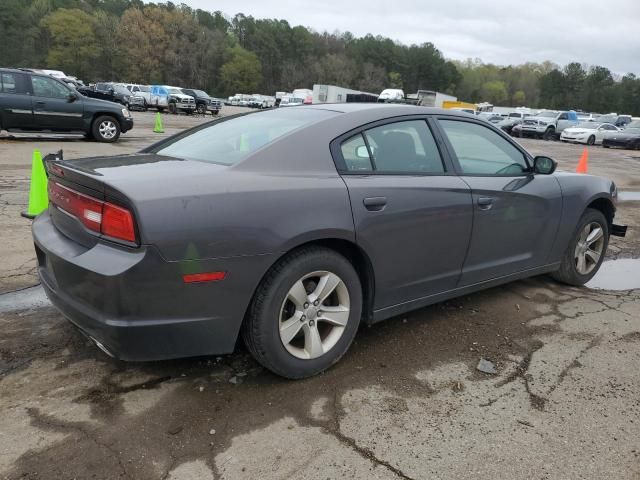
<point>38,198</point>
<point>158,128</point>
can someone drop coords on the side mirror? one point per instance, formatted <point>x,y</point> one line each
<point>362,152</point>
<point>544,165</point>
<point>72,97</point>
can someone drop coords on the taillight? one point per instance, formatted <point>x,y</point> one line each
<point>98,216</point>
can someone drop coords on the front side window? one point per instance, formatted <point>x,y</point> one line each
<point>402,147</point>
<point>231,140</point>
<point>481,151</point>
<point>48,87</point>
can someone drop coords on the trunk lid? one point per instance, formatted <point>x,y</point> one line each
<point>129,181</point>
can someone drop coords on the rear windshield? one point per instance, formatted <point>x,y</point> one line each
<point>228,141</point>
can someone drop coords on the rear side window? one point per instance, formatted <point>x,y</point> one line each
<point>399,147</point>
<point>228,141</point>
<point>481,151</point>
<point>12,83</point>
<point>355,154</point>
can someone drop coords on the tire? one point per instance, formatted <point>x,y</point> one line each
<point>591,140</point>
<point>172,108</point>
<point>105,129</point>
<point>606,146</point>
<point>569,271</point>
<point>549,134</point>
<point>272,306</point>
<point>201,109</point>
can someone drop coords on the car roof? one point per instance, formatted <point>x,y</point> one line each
<point>392,109</point>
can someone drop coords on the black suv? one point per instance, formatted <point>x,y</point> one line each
<point>31,101</point>
<point>204,103</point>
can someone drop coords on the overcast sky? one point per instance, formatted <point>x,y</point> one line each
<point>596,32</point>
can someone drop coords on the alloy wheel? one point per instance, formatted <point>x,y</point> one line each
<point>589,248</point>
<point>107,129</point>
<point>314,314</point>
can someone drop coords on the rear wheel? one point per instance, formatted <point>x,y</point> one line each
<point>172,108</point>
<point>305,313</point>
<point>586,250</point>
<point>106,129</point>
<point>591,140</point>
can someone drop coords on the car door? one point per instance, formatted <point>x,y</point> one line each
<point>52,106</point>
<point>412,214</point>
<point>15,101</point>
<point>604,130</point>
<point>516,213</point>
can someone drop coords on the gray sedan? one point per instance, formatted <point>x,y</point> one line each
<point>291,227</point>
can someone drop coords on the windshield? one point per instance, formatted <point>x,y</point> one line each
<point>608,119</point>
<point>121,89</point>
<point>200,93</point>
<point>515,115</point>
<point>547,114</point>
<point>175,91</point>
<point>230,140</point>
<point>589,125</point>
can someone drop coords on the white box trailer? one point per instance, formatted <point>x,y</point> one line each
<point>335,94</point>
<point>430,98</point>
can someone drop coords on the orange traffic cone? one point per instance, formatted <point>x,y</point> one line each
<point>583,164</point>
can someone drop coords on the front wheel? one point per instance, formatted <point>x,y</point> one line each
<point>549,134</point>
<point>172,108</point>
<point>586,250</point>
<point>106,129</point>
<point>591,140</point>
<point>305,313</point>
<point>201,109</point>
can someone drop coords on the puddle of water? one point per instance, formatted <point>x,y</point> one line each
<point>621,274</point>
<point>629,196</point>
<point>33,297</point>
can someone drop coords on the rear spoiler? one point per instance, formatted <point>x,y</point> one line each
<point>51,157</point>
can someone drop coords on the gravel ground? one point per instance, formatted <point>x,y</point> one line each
<point>407,401</point>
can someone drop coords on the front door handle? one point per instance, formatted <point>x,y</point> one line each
<point>375,204</point>
<point>485,203</point>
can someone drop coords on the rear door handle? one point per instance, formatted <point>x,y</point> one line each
<point>485,203</point>
<point>375,204</point>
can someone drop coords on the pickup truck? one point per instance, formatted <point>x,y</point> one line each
<point>172,98</point>
<point>548,124</point>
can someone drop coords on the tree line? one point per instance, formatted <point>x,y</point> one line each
<point>166,43</point>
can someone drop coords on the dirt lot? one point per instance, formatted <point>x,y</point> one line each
<point>405,402</point>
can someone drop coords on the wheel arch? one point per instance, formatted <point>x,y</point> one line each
<point>349,250</point>
<point>101,113</point>
<point>604,205</point>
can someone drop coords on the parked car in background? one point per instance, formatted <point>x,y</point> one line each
<point>296,285</point>
<point>618,120</point>
<point>507,123</point>
<point>113,92</point>
<point>143,91</point>
<point>171,98</point>
<point>204,103</point>
<point>591,133</point>
<point>516,130</point>
<point>391,95</point>
<point>261,101</point>
<point>548,124</point>
<point>627,138</point>
<point>31,101</point>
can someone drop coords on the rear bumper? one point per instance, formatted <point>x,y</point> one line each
<point>135,303</point>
